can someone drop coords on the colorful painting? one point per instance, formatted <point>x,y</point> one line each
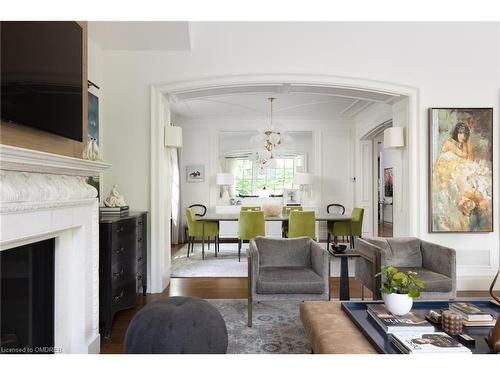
<point>461,165</point>
<point>388,182</point>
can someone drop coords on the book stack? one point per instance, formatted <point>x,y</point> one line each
<point>427,343</point>
<point>390,323</point>
<point>114,211</point>
<point>472,315</point>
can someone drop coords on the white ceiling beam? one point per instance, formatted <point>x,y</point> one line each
<point>349,106</point>
<point>361,108</point>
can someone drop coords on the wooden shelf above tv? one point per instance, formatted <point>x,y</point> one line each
<point>34,139</point>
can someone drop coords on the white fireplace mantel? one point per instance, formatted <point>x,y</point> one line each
<point>26,160</point>
<point>43,196</point>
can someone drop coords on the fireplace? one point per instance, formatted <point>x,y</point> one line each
<point>47,206</point>
<point>27,298</point>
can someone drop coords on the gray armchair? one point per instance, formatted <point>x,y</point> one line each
<point>434,264</point>
<point>288,268</point>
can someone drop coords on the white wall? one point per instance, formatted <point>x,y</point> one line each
<point>451,64</point>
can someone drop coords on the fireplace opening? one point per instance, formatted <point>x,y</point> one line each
<point>27,298</point>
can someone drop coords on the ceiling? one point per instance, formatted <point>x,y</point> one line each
<point>138,35</point>
<point>292,101</point>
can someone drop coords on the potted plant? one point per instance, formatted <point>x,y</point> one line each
<point>399,289</point>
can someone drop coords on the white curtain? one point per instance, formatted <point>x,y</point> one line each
<point>176,195</point>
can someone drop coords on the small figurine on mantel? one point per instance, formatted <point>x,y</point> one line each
<point>91,150</point>
<point>114,199</point>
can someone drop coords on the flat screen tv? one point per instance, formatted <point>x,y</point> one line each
<point>41,64</point>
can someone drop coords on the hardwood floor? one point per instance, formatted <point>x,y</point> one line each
<point>210,288</point>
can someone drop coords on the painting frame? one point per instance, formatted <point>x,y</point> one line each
<point>291,197</point>
<point>479,122</point>
<point>195,173</point>
<point>389,182</point>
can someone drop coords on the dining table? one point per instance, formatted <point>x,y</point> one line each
<point>218,217</point>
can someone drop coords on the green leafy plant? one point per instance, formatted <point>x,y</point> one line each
<point>400,282</point>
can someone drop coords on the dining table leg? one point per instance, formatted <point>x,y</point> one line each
<point>203,241</point>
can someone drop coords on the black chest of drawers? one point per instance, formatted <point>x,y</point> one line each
<point>122,264</point>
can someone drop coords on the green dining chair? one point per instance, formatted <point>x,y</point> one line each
<point>285,210</point>
<point>251,208</point>
<point>195,229</point>
<point>251,225</point>
<point>342,228</point>
<point>302,224</point>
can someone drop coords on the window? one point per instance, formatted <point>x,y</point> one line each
<point>249,181</point>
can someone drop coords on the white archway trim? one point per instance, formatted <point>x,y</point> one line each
<point>160,236</point>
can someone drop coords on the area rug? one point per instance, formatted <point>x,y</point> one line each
<point>276,327</point>
<point>225,264</point>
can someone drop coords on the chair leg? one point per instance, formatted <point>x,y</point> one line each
<point>239,251</point>
<point>362,292</point>
<point>215,246</point>
<point>328,238</point>
<point>189,245</point>
<point>249,323</point>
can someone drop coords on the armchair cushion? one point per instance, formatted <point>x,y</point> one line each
<point>289,280</point>
<point>403,252</point>
<point>284,252</point>
<point>434,282</point>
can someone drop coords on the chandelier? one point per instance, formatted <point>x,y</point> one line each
<point>267,143</point>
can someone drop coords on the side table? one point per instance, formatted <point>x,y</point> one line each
<point>344,271</point>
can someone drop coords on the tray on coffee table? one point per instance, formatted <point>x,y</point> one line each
<point>380,340</point>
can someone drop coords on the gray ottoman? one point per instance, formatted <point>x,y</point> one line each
<point>177,325</point>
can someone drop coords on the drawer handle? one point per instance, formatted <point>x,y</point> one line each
<point>118,274</point>
<point>118,297</point>
<point>119,251</point>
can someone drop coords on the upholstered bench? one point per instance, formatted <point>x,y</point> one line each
<point>330,330</point>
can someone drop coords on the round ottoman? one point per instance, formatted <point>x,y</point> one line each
<point>177,325</point>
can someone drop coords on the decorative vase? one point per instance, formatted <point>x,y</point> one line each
<point>398,304</point>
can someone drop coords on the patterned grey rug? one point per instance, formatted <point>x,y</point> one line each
<point>225,265</point>
<point>276,327</point>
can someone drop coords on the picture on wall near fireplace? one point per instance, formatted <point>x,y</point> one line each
<point>93,133</point>
<point>388,182</point>
<point>195,173</point>
<point>460,171</point>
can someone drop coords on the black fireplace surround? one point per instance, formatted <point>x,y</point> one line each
<point>27,299</point>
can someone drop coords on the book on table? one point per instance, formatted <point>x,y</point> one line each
<point>471,312</point>
<point>114,209</point>
<point>391,323</point>
<point>427,343</point>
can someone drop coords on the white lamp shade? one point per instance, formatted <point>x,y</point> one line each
<point>224,179</point>
<point>394,137</point>
<point>173,136</point>
<point>304,178</point>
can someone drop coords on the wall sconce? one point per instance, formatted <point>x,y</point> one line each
<point>225,180</point>
<point>173,136</point>
<point>394,138</point>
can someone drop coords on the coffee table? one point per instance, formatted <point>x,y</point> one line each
<point>356,311</point>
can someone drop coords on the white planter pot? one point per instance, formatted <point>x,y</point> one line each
<point>398,304</point>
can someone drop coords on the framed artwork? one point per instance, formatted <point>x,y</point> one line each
<point>291,196</point>
<point>93,132</point>
<point>388,182</point>
<point>93,117</point>
<point>461,170</point>
<point>195,173</point>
